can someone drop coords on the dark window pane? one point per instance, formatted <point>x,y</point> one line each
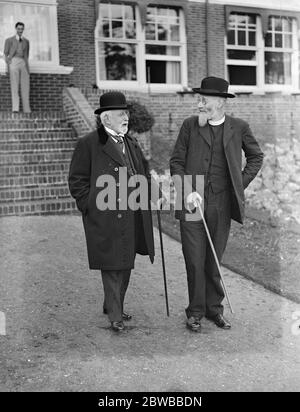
<point>230,37</point>
<point>104,29</point>
<point>242,75</point>
<point>251,19</point>
<point>268,40</point>
<point>164,50</point>
<point>119,60</point>
<point>278,40</point>
<point>252,38</point>
<point>163,72</point>
<point>241,38</point>
<point>155,71</point>
<point>241,54</point>
<point>117,29</point>
<point>150,31</point>
<point>278,68</point>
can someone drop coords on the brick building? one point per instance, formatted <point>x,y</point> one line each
<point>156,51</point>
<point>160,45</point>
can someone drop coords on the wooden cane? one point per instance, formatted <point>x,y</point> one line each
<point>163,260</point>
<point>215,255</point>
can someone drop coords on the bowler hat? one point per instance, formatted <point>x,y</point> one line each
<point>214,86</point>
<point>111,101</point>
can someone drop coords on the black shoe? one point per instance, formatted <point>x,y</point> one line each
<point>117,326</point>
<point>125,316</point>
<point>193,323</point>
<point>220,321</point>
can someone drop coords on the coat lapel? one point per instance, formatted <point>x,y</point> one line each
<point>109,147</point>
<point>228,131</point>
<point>204,131</point>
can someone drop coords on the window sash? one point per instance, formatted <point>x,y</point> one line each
<point>142,57</point>
<point>261,49</point>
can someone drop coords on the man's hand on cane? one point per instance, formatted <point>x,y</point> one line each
<point>192,201</point>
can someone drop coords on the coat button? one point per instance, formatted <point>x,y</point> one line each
<point>119,215</point>
<point>119,200</point>
<point>118,184</point>
<point>116,169</point>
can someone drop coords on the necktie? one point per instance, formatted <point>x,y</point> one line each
<point>20,39</point>
<point>120,141</point>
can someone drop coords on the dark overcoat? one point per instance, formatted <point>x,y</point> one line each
<point>192,152</point>
<point>113,236</point>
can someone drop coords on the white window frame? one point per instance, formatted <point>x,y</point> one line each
<point>237,62</point>
<point>141,57</point>
<point>52,67</point>
<point>261,87</point>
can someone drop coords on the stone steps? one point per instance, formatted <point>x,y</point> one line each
<point>38,146</point>
<point>20,158</point>
<point>33,180</point>
<point>34,168</point>
<point>35,154</point>
<point>26,193</point>
<point>35,135</point>
<point>52,206</point>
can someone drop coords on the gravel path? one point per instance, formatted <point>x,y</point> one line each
<point>57,339</point>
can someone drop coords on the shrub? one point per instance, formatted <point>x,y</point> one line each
<point>140,119</point>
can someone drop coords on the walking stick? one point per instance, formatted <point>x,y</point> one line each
<point>163,260</point>
<point>215,255</point>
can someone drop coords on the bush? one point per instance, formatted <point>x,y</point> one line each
<point>140,119</point>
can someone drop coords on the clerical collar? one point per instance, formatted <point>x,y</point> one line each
<point>217,122</point>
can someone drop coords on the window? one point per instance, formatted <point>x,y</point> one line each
<point>136,55</point>
<point>278,51</point>
<point>242,49</point>
<point>162,45</point>
<point>255,62</point>
<point>40,28</point>
<point>117,49</point>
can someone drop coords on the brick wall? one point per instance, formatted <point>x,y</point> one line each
<point>271,117</point>
<point>76,26</point>
<point>196,43</point>
<point>45,92</point>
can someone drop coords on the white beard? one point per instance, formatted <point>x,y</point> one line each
<point>202,119</point>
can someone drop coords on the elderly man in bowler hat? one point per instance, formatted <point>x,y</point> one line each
<point>113,236</point>
<point>211,144</point>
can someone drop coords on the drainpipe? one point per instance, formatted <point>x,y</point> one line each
<point>206,37</point>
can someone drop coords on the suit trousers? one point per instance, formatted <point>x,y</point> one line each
<point>204,283</point>
<point>115,284</point>
<point>19,76</point>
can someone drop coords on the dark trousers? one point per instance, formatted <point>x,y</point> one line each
<point>204,282</point>
<point>115,283</point>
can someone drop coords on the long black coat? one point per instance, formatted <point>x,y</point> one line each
<point>191,157</point>
<point>112,240</point>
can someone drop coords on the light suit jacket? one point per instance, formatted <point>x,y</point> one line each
<point>10,49</point>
